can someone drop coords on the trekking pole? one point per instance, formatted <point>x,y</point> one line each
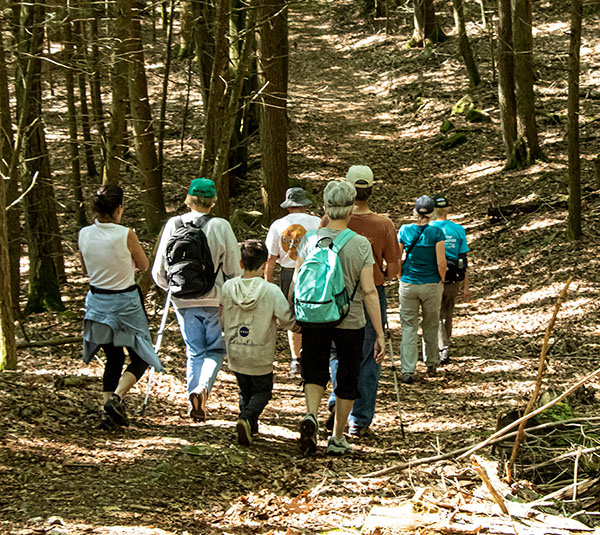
<point>395,372</point>
<point>157,344</point>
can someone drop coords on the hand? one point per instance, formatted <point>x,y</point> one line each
<point>379,352</point>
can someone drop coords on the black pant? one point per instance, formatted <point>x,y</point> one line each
<point>316,351</point>
<point>255,393</point>
<point>115,360</point>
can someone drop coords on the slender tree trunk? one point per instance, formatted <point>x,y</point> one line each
<point>141,115</point>
<point>118,118</point>
<point>96,83</point>
<point>524,69</point>
<point>573,129</point>
<point>465,47</point>
<point>187,23</point>
<point>426,25</point>
<point>204,44</point>
<point>506,86</point>
<point>76,188</point>
<point>273,112</point>
<point>46,264</point>
<point>8,178</point>
<point>165,92</point>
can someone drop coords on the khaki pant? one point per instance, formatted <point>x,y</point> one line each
<point>428,297</point>
<point>446,313</point>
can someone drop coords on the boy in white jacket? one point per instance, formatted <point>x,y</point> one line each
<point>250,307</point>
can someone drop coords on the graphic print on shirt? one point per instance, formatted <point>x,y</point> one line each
<point>291,238</point>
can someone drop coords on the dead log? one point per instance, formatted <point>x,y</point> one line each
<point>528,207</point>
<point>51,342</point>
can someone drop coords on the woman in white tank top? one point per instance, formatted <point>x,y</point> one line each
<point>114,316</point>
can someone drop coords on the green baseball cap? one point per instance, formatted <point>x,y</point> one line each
<point>203,187</point>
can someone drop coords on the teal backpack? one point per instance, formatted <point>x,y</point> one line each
<point>320,295</point>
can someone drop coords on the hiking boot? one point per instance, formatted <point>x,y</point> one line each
<point>308,434</point>
<point>197,410</point>
<point>360,432</point>
<point>106,422</point>
<point>295,367</point>
<point>244,434</point>
<point>338,446</point>
<point>330,419</point>
<point>115,408</point>
<point>407,378</point>
<point>444,358</point>
<point>432,371</point>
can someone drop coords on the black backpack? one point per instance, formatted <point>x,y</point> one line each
<point>190,269</point>
<point>457,268</point>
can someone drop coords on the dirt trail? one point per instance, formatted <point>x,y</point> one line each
<point>355,98</point>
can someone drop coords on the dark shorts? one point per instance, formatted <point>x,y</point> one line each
<point>285,280</point>
<point>316,350</point>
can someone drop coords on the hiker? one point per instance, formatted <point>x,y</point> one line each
<point>421,284</point>
<point>250,308</point>
<point>457,274</point>
<point>114,314</point>
<point>380,232</point>
<point>354,265</point>
<point>196,287</point>
<point>282,241</point>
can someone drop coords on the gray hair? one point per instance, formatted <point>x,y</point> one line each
<point>338,198</point>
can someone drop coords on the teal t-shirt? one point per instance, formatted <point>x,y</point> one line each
<point>421,265</point>
<point>455,237</point>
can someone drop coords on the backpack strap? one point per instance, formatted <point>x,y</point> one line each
<point>178,222</point>
<point>342,239</point>
<point>412,245</point>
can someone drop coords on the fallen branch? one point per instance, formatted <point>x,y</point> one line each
<point>480,469</point>
<point>538,379</point>
<point>560,458</point>
<point>51,342</point>
<point>560,494</point>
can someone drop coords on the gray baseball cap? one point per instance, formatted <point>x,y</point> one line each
<point>424,205</point>
<point>295,197</point>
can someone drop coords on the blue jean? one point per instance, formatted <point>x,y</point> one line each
<point>204,346</point>
<point>364,407</point>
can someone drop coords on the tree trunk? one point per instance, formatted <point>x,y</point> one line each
<point>141,114</point>
<point>465,47</point>
<point>76,189</point>
<point>187,22</point>
<point>215,106</point>
<point>96,83</point>
<point>165,93</point>
<point>273,112</point>
<point>46,264</point>
<point>574,230</point>
<point>118,117</point>
<point>506,86</point>
<point>426,25</point>
<point>12,184</point>
<point>522,21</point>
<point>204,43</point>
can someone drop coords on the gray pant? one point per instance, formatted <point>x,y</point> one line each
<point>428,297</point>
<point>446,313</point>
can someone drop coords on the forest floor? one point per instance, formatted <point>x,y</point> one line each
<point>357,96</point>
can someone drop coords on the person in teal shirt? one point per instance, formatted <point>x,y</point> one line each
<point>421,285</point>
<point>455,240</point>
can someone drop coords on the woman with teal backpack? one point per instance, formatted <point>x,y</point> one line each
<point>421,285</point>
<point>352,254</point>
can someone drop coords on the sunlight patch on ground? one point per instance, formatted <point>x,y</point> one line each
<point>362,43</point>
<point>550,28</point>
<point>540,223</point>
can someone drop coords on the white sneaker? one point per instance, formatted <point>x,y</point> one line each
<point>338,446</point>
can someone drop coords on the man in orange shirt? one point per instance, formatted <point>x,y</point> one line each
<point>380,231</point>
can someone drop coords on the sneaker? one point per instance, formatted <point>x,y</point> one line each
<point>360,432</point>
<point>295,367</point>
<point>432,371</point>
<point>115,408</point>
<point>407,378</point>
<point>308,434</point>
<point>197,410</point>
<point>338,446</point>
<point>106,422</point>
<point>444,358</point>
<point>244,435</point>
<point>331,418</point>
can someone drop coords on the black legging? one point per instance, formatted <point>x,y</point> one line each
<point>115,360</point>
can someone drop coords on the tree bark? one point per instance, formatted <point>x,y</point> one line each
<point>96,82</point>
<point>465,47</point>
<point>141,115</point>
<point>426,25</point>
<point>165,92</point>
<point>506,86</point>
<point>574,223</point>
<point>46,263</point>
<point>273,111</point>
<point>76,188</point>
<point>522,21</point>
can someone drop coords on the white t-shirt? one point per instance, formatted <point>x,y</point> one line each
<point>285,235</point>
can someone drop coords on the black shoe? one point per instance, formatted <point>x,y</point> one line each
<point>106,422</point>
<point>244,435</point>
<point>115,408</point>
<point>308,434</point>
<point>444,358</point>
<point>360,432</point>
<point>197,410</point>
<point>331,418</point>
<point>432,371</point>
<point>407,378</point>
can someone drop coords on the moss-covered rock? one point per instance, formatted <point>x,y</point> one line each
<point>477,116</point>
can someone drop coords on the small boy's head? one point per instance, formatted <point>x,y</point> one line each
<point>254,254</point>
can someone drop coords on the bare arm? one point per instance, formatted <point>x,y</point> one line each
<point>401,259</point>
<point>440,254</point>
<point>137,253</point>
<point>270,267</point>
<point>392,270</point>
<point>83,268</point>
<point>371,298</point>
<point>466,293</point>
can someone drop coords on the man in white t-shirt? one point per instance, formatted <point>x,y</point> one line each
<point>282,241</point>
